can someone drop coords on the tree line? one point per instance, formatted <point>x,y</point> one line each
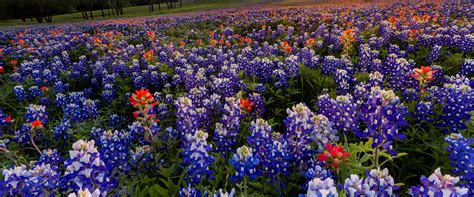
<point>44,10</point>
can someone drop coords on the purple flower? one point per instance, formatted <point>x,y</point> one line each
<point>383,115</point>
<point>245,162</point>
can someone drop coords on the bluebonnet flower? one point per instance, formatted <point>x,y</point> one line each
<point>114,150</point>
<point>245,162</point>
<point>141,156</point>
<point>51,157</point>
<point>85,169</point>
<point>467,67</point>
<point>410,94</point>
<point>424,111</point>
<point>225,194</point>
<point>299,130</point>
<point>366,58</point>
<point>20,93</point>
<point>4,145</point>
<point>342,111</point>
<point>383,115</point>
<point>304,128</point>
<point>379,183</point>
<point>435,53</point>
<point>196,157</point>
<point>458,102</point>
<point>108,93</point>
<point>45,101</point>
<point>344,79</point>
<point>61,100</point>
<point>186,116</point>
<point>226,131</point>
<point>462,158</point>
<point>318,187</point>
<point>330,65</point>
<point>40,180</point>
<point>259,107</point>
<point>60,131</point>
<point>438,184</point>
<point>90,109</point>
<point>316,170</point>
<point>74,113</point>
<point>261,135</point>
<point>60,87</point>
<point>259,88</point>
<point>353,186</point>
<point>35,92</point>
<point>36,112</point>
<point>281,78</point>
<point>86,193</point>
<point>190,192</point>
<point>4,121</point>
<point>398,73</point>
<point>115,120</point>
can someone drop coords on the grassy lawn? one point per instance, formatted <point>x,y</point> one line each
<point>140,11</point>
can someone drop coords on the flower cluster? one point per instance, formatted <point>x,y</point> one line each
<point>85,169</point>
<point>462,157</point>
<point>318,187</point>
<point>377,183</point>
<point>423,75</point>
<point>438,184</point>
<point>245,163</point>
<point>196,157</point>
<point>342,111</point>
<point>5,120</point>
<point>40,180</point>
<point>383,115</point>
<point>226,131</point>
<point>334,156</point>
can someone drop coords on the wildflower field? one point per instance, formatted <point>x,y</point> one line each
<point>335,100</point>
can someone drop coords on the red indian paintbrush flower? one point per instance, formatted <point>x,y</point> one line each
<point>423,75</point>
<point>44,89</point>
<point>149,55</point>
<point>13,62</point>
<point>286,47</point>
<point>245,104</point>
<point>8,119</point>
<point>2,70</point>
<point>310,42</point>
<point>36,124</point>
<point>142,98</point>
<point>334,156</point>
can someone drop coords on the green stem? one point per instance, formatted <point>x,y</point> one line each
<point>245,186</point>
<point>376,157</point>
<point>302,88</point>
<point>34,144</point>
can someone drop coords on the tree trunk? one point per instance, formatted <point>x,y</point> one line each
<point>180,3</point>
<point>159,6</point>
<point>92,15</point>
<point>103,14</point>
<point>39,19</point>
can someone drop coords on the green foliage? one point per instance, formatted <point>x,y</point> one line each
<point>452,64</point>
